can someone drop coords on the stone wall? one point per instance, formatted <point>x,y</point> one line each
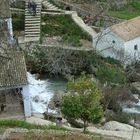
<point>12,101</point>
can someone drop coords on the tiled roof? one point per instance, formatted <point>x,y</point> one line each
<point>128,30</point>
<point>12,70</point>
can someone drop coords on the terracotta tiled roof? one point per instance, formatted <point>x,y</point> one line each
<point>12,70</point>
<point>128,30</point>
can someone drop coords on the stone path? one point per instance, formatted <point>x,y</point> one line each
<point>32,23</point>
<point>81,23</point>
<point>74,16</point>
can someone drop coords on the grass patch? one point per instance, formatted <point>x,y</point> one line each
<point>65,27</point>
<point>124,14</point>
<point>130,11</point>
<point>23,124</point>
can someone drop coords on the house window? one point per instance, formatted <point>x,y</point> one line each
<point>113,41</point>
<point>135,47</point>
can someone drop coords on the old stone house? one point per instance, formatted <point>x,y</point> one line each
<point>13,79</point>
<point>120,41</point>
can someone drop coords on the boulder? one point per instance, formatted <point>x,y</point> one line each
<point>76,123</point>
<point>135,88</point>
<point>56,99</point>
<point>134,76</point>
<point>117,126</point>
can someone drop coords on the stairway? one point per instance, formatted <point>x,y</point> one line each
<point>32,23</point>
<point>49,6</point>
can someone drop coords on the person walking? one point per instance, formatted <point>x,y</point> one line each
<point>34,8</point>
<point>30,6</point>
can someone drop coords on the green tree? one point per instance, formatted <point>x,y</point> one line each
<point>83,102</point>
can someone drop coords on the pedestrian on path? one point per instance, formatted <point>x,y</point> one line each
<point>34,8</point>
<point>30,6</point>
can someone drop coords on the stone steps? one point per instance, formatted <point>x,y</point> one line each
<point>49,6</point>
<point>32,24</point>
<point>32,30</point>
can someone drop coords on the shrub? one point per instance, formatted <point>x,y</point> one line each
<point>18,22</point>
<point>111,74</point>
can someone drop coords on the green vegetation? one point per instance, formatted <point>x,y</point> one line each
<point>108,70</point>
<point>124,14</point>
<point>18,22</point>
<point>111,74</point>
<point>24,124</point>
<point>83,102</point>
<point>130,11</point>
<point>65,27</point>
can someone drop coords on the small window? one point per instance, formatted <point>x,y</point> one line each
<point>113,41</point>
<point>135,47</point>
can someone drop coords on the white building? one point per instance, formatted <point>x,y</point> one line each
<point>120,41</point>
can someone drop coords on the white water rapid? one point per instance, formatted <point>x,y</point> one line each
<point>40,94</point>
<point>134,110</point>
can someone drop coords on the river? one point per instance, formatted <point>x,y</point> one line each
<point>41,91</point>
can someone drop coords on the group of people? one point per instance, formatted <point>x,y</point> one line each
<point>32,7</point>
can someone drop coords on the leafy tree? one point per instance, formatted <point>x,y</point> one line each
<point>83,102</point>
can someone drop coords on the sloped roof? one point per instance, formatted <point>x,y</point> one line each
<point>12,70</point>
<point>128,30</point>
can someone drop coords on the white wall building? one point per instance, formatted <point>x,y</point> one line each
<point>120,41</point>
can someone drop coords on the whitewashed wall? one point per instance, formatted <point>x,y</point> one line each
<point>109,44</point>
<point>26,101</point>
<point>129,48</point>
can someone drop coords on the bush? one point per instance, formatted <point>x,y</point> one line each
<point>18,22</point>
<point>111,74</point>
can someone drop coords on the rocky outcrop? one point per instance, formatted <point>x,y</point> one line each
<point>116,126</point>
<point>136,88</point>
<point>56,99</point>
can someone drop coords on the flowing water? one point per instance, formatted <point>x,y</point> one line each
<point>41,91</point>
<point>133,110</point>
